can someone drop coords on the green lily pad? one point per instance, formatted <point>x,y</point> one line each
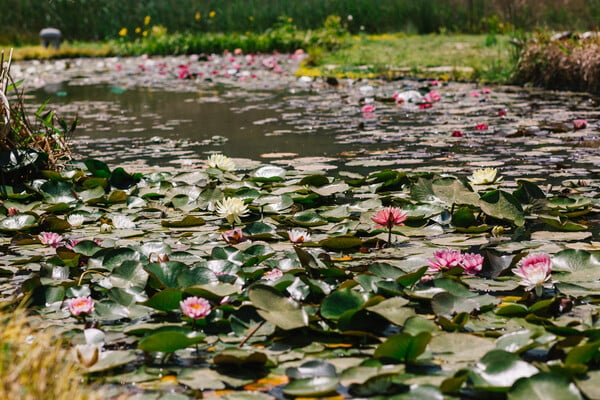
<point>502,205</point>
<point>544,386</point>
<point>276,308</point>
<point>268,173</point>
<point>403,347</point>
<point>312,387</point>
<point>186,222</point>
<point>169,339</point>
<point>19,222</point>
<point>340,301</point>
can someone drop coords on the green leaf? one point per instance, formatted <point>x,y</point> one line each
<point>544,386</point>
<point>500,369</point>
<point>165,300</point>
<point>122,180</point>
<point>393,310</point>
<point>314,180</point>
<point>19,222</point>
<point>502,205</point>
<point>276,308</point>
<point>58,192</point>
<point>340,243</point>
<point>307,219</point>
<point>169,339</point>
<point>452,191</point>
<point>312,387</point>
<point>340,301</point>
<point>98,168</point>
<point>580,265</point>
<point>166,273</point>
<point>187,221</point>
<point>448,304</point>
<point>238,357</point>
<point>403,347</point>
<point>268,173</point>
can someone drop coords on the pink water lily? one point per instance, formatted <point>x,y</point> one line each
<point>80,306</point>
<point>443,260</point>
<point>233,236</point>
<point>388,218</point>
<point>481,127</point>
<point>535,272</point>
<point>195,307</point>
<point>298,236</point>
<point>50,239</point>
<point>273,274</point>
<point>471,263</point>
<point>580,124</point>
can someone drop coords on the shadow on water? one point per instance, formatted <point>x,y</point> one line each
<point>239,126</point>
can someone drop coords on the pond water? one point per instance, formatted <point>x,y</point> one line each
<point>140,121</point>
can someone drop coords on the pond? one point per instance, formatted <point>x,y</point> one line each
<point>143,120</point>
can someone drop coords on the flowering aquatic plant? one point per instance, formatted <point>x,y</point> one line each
<point>443,260</point>
<point>231,208</point>
<point>75,220</point>
<point>471,263</point>
<point>298,236</point>
<point>80,306</point>
<point>388,218</point>
<point>221,162</point>
<point>484,176</point>
<point>233,236</point>
<point>50,239</point>
<point>535,272</point>
<point>273,274</point>
<point>195,307</point>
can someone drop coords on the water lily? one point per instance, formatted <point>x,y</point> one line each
<point>298,236</point>
<point>232,208</point>
<point>457,133</point>
<point>80,306</point>
<point>195,307</point>
<point>12,211</point>
<point>535,272</point>
<point>481,127</point>
<point>75,220</point>
<point>388,218</point>
<point>122,222</point>
<point>580,124</point>
<point>221,162</point>
<point>273,274</point>
<point>471,263</point>
<point>368,108</point>
<point>50,239</point>
<point>443,260</point>
<point>233,236</point>
<point>484,176</point>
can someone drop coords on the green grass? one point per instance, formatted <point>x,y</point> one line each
<point>481,57</point>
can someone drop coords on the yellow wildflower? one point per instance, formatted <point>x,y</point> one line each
<point>138,30</point>
<point>147,20</point>
<point>197,16</point>
<point>212,14</point>
<point>123,32</point>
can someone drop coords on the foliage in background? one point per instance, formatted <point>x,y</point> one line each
<point>101,20</point>
<point>569,63</point>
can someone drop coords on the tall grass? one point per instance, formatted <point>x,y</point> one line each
<point>21,20</point>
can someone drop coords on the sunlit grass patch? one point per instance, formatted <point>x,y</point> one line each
<point>35,364</point>
<point>67,50</point>
<point>463,57</point>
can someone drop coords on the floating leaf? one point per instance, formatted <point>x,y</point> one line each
<point>187,221</point>
<point>544,386</point>
<point>169,339</point>
<point>276,308</point>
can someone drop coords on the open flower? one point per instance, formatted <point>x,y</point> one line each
<point>273,274</point>
<point>75,220</point>
<point>195,307</point>
<point>388,218</point>
<point>221,162</point>
<point>535,272</point>
<point>232,208</point>
<point>233,236</point>
<point>471,263</point>
<point>298,236</point>
<point>443,260</point>
<point>80,306</point>
<point>50,239</point>
<point>484,176</point>
<point>579,124</point>
<point>122,222</point>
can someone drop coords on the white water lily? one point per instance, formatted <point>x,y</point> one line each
<point>221,162</point>
<point>298,236</point>
<point>106,228</point>
<point>231,208</point>
<point>484,176</point>
<point>122,222</point>
<point>75,220</point>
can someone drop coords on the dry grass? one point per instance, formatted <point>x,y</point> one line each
<point>34,364</point>
<point>572,64</point>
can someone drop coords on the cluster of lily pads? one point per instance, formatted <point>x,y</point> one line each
<point>274,282</point>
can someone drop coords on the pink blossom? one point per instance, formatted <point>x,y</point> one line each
<point>80,305</point>
<point>423,106</point>
<point>273,274</point>
<point>195,307</point>
<point>471,263</point>
<point>50,239</point>
<point>434,83</point>
<point>434,96</point>
<point>237,51</point>
<point>534,271</point>
<point>501,113</point>
<point>481,127</point>
<point>443,260</point>
<point>474,94</point>
<point>12,211</point>
<point>486,90</point>
<point>368,108</point>
<point>580,124</point>
<point>118,67</point>
<point>457,133</point>
<point>233,236</point>
<point>389,217</point>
